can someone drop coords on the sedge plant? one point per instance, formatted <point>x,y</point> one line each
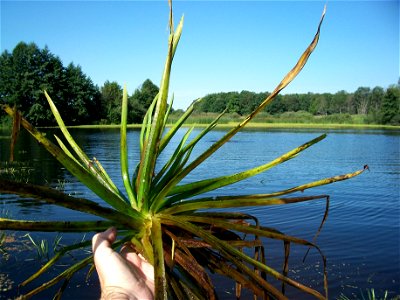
<point>183,234</point>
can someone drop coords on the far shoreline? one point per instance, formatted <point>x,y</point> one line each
<point>253,125</point>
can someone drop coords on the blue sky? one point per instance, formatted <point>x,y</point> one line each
<point>225,46</point>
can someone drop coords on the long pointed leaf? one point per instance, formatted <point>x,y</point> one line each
<point>159,268</point>
<point>285,81</point>
<point>269,199</point>
<point>151,148</point>
<point>233,254</point>
<point>169,108</point>
<point>16,125</point>
<point>135,220</point>
<point>146,124</point>
<point>70,271</point>
<point>87,163</point>
<point>168,136</point>
<point>52,226</point>
<point>66,274</point>
<point>313,184</point>
<point>245,229</point>
<point>169,182</point>
<point>200,187</point>
<point>216,243</point>
<point>96,184</point>
<point>66,150</point>
<point>230,202</point>
<point>175,156</point>
<point>82,155</point>
<point>54,259</point>
<point>124,150</point>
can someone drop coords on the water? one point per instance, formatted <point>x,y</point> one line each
<point>360,238</point>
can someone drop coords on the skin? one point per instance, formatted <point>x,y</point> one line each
<point>125,275</point>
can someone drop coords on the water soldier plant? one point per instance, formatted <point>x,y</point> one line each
<point>183,234</point>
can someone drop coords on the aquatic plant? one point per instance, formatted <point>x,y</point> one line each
<point>180,232</point>
<point>370,296</point>
<point>42,246</point>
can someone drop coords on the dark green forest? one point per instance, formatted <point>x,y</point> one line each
<point>376,105</point>
<point>28,70</point>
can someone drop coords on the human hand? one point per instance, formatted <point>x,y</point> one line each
<point>125,275</point>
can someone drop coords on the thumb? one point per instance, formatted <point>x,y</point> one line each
<point>104,239</point>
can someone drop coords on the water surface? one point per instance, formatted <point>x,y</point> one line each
<point>360,238</point>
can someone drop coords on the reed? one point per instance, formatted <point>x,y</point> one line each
<point>183,234</point>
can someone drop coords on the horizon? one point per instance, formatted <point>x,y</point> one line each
<point>226,46</point>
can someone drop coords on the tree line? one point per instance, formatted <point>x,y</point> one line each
<point>28,70</point>
<point>378,105</point>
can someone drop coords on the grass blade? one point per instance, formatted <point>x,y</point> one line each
<point>124,151</point>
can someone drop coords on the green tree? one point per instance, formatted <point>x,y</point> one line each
<point>25,73</point>
<point>338,103</point>
<point>376,99</point>
<point>391,106</point>
<point>29,70</point>
<point>319,105</point>
<point>361,99</point>
<point>305,101</point>
<point>244,102</point>
<point>233,101</point>
<point>111,100</point>
<point>292,102</point>
<point>82,98</point>
<point>140,101</point>
<point>375,105</point>
<point>277,106</point>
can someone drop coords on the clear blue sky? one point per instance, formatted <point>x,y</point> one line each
<point>225,46</point>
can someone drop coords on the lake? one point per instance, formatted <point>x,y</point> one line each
<point>360,237</point>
